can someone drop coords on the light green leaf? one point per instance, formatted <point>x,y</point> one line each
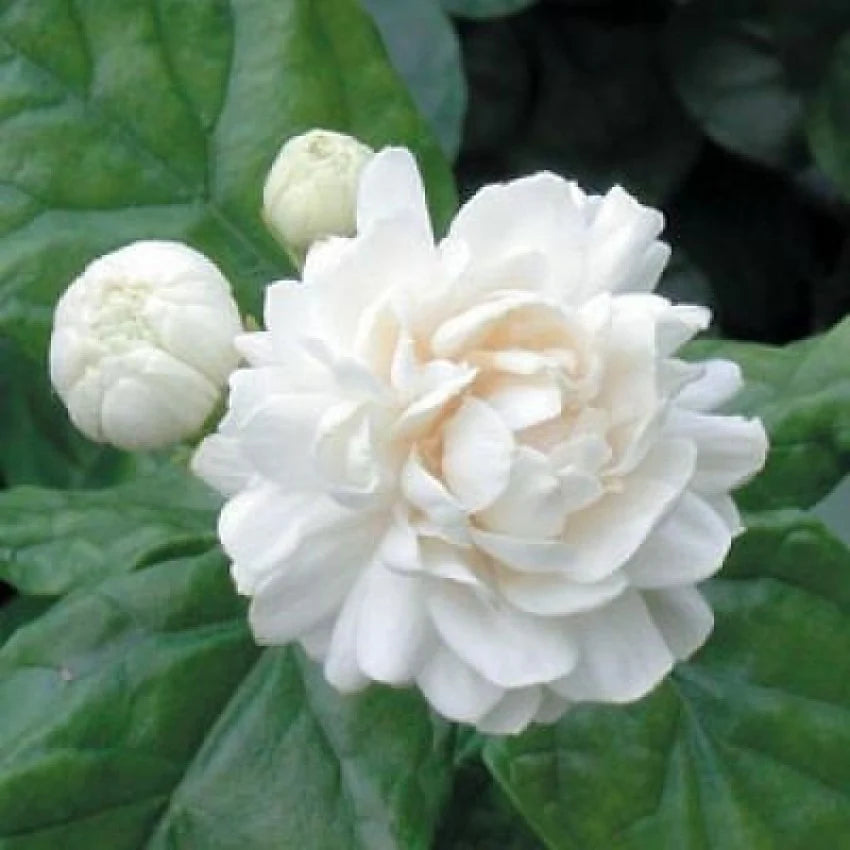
<point>53,541</point>
<point>802,392</point>
<point>424,49</point>
<point>138,713</point>
<point>486,8</point>
<point>125,120</point>
<point>747,747</point>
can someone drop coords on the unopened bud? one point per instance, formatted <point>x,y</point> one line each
<point>142,345</point>
<point>311,189</point>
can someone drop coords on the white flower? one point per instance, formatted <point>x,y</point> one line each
<point>477,466</point>
<point>143,343</point>
<point>311,189</point>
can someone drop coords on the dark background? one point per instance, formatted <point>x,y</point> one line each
<point>726,115</point>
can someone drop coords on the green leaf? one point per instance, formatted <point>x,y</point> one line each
<point>727,67</point>
<point>802,393</point>
<point>424,49</point>
<point>485,8</point>
<point>53,541</point>
<point>125,120</point>
<point>138,713</point>
<point>747,747</point>
<point>38,443</point>
<point>829,120</point>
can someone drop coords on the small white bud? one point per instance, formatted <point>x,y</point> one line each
<point>143,343</point>
<point>311,189</point>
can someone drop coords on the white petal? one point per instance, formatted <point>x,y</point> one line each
<point>523,401</point>
<point>687,546</point>
<point>513,713</point>
<point>720,381</point>
<point>683,617</point>
<point>622,657</point>
<point>465,565</point>
<point>505,646</point>
<point>393,630</point>
<point>454,689</point>
<point>550,594</point>
<point>533,214</point>
<point>470,329</point>
<point>341,667</point>
<point>533,504</point>
<point>391,186</point>
<point>218,460</point>
<point>477,454</point>
<point>526,554</point>
<point>277,439</point>
<point>731,449</point>
<point>606,534</point>
<point>428,495</point>
<point>622,234</point>
<point>289,310</point>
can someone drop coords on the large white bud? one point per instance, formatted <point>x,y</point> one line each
<point>143,343</point>
<point>311,189</point>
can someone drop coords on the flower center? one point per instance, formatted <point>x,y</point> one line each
<point>119,320</point>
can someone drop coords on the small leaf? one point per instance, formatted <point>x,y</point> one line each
<point>745,747</point>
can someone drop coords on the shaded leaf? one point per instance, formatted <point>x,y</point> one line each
<point>829,120</point>
<point>423,47</point>
<point>38,443</point>
<point>138,713</point>
<point>52,541</point>
<point>745,747</point>
<point>727,66</point>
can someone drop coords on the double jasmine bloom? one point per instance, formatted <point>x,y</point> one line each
<point>477,465</point>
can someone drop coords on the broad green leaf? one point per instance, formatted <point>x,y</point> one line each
<point>125,120</point>
<point>424,49</point>
<point>38,443</point>
<point>485,8</point>
<point>802,392</point>
<point>138,713</point>
<point>53,541</point>
<point>829,119</point>
<point>727,66</point>
<point>747,747</point>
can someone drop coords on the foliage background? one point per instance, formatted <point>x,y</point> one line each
<point>134,709</point>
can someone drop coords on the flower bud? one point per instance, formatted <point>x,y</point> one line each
<point>143,343</point>
<point>311,189</point>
